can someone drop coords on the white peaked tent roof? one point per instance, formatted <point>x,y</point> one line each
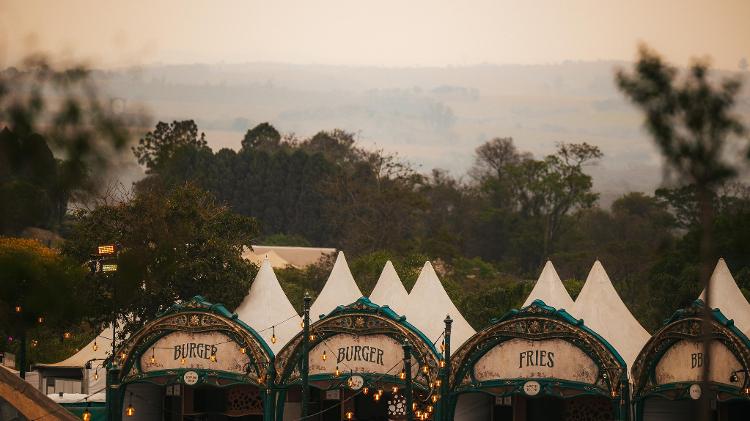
<point>266,305</point>
<point>340,289</point>
<point>550,289</point>
<point>389,290</point>
<point>428,305</point>
<point>727,297</point>
<point>87,353</point>
<point>602,310</point>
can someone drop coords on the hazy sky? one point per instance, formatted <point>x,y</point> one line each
<point>376,32</point>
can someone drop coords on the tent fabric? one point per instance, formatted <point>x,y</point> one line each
<point>266,305</point>
<point>427,306</point>
<point>602,310</point>
<point>389,290</point>
<point>298,257</point>
<point>727,297</point>
<point>79,359</point>
<point>550,289</point>
<point>277,262</point>
<point>339,289</point>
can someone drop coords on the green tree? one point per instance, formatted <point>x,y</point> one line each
<point>692,122</point>
<point>175,243</point>
<point>263,136</point>
<point>167,139</point>
<point>36,283</point>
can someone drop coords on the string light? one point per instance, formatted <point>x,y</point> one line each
<point>365,390</point>
<point>434,398</point>
<point>130,411</point>
<point>86,416</point>
<point>376,397</point>
<point>438,382</point>
<point>34,343</point>
<point>95,346</point>
<point>153,357</point>
<point>324,356</point>
<point>96,374</point>
<point>402,375</point>
<point>18,309</point>
<point>429,408</point>
<point>312,337</point>
<point>182,360</point>
<point>425,369</point>
<point>442,363</point>
<point>350,415</point>
<point>243,350</point>
<point>40,319</point>
<point>338,373</point>
<point>273,334</point>
<point>122,356</point>
<point>67,335</point>
<point>213,356</point>
<point>394,389</point>
<point>380,391</point>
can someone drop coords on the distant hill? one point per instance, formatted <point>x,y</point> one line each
<point>433,117</point>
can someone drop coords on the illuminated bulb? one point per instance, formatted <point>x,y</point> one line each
<point>418,414</point>
<point>324,356</point>
<point>338,373</point>
<point>40,319</point>
<point>273,339</point>
<point>425,369</point>
<point>429,408</point>
<point>122,356</point>
<point>213,358</point>
<point>152,360</point>
<point>380,391</point>
<point>413,406</point>
<point>376,397</point>
<point>434,398</point>
<point>438,382</point>
<point>402,375</point>
<point>350,415</point>
<point>365,390</point>
<point>442,363</point>
<point>746,390</point>
<point>96,375</point>
<point>18,309</point>
<point>394,389</point>
<point>312,337</point>
<point>67,335</point>
<point>243,350</point>
<point>86,416</point>
<point>34,343</point>
<point>95,346</point>
<point>130,411</point>
<point>182,360</point>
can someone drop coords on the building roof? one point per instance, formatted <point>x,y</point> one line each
<point>427,306</point>
<point>389,290</point>
<point>266,305</point>
<point>550,289</point>
<point>298,257</point>
<point>277,261</point>
<point>79,359</point>
<point>602,310</point>
<point>339,289</point>
<point>727,297</point>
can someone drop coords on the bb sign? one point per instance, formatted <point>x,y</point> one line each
<point>195,350</point>
<point>684,362</point>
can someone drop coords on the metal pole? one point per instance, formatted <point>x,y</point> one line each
<point>444,387</point>
<point>305,369</point>
<point>407,371</point>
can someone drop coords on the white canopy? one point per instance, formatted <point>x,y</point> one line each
<point>267,305</point>
<point>103,343</point>
<point>428,305</point>
<point>340,289</point>
<point>389,290</point>
<point>603,311</point>
<point>727,297</point>
<point>550,289</point>
<point>276,261</point>
<point>298,257</point>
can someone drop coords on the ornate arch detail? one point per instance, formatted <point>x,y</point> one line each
<point>361,318</point>
<point>538,322</point>
<point>687,324</point>
<point>197,316</point>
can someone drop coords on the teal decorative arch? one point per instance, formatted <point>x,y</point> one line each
<point>687,325</point>
<point>361,318</point>
<point>197,316</point>
<point>538,322</point>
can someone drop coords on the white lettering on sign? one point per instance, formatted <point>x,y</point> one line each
<point>683,362</point>
<point>358,354</point>
<point>195,350</point>
<point>522,358</point>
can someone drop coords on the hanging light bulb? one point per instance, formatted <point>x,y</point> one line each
<point>425,369</point>
<point>40,319</point>
<point>350,415</point>
<point>301,324</point>
<point>434,398</point>
<point>130,411</point>
<point>34,343</point>
<point>96,374</point>
<point>312,337</point>
<point>438,382</point>
<point>182,360</point>
<point>67,335</point>
<point>394,389</point>
<point>402,375</point>
<point>429,408</point>
<point>442,363</point>
<point>95,346</point>
<point>413,406</point>
<point>418,414</point>
<point>213,357</point>
<point>746,390</point>
<point>243,350</point>
<point>152,360</point>
<point>86,416</point>
<point>365,390</point>
<point>376,397</point>
<point>273,334</point>
<point>122,356</point>
<point>18,309</point>
<point>338,373</point>
<point>324,356</point>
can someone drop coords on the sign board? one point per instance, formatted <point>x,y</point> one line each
<point>695,392</point>
<point>190,378</point>
<point>358,354</point>
<point>683,362</point>
<point>527,359</point>
<point>356,382</point>
<point>532,388</point>
<point>194,350</point>
<point>333,395</point>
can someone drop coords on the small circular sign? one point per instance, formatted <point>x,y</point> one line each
<point>532,388</point>
<point>190,378</point>
<point>695,391</point>
<point>356,382</point>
